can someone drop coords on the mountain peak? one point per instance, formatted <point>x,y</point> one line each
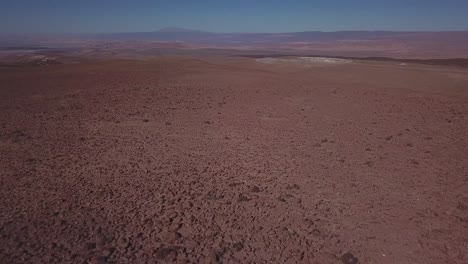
<point>177,30</point>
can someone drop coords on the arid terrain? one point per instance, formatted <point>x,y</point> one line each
<point>180,41</point>
<point>216,159</point>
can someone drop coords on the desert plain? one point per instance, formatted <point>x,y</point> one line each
<point>227,159</point>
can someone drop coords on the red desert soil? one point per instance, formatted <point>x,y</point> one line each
<point>232,161</point>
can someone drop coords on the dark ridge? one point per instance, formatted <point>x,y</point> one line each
<point>10,66</point>
<point>457,62</point>
<point>260,56</point>
<point>24,48</point>
<point>460,62</point>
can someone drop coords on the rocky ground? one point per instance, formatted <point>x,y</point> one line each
<point>233,161</point>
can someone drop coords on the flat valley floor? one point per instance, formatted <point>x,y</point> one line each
<point>227,160</point>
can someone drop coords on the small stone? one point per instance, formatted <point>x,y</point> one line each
<point>292,187</point>
<point>243,198</point>
<point>107,252</point>
<point>98,260</point>
<point>348,258</point>
<point>165,252</point>
<point>255,189</point>
<point>101,241</point>
<point>238,246</point>
<point>175,227</point>
<point>172,236</point>
<point>90,246</point>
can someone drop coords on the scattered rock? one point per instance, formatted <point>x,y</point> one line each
<point>211,196</point>
<point>255,189</point>
<point>98,260</point>
<point>107,252</point>
<point>171,237</point>
<point>238,246</point>
<point>90,246</point>
<point>175,226</point>
<point>462,206</point>
<point>18,135</point>
<point>369,163</point>
<point>243,198</point>
<point>292,186</point>
<point>101,242</point>
<point>165,252</point>
<point>348,258</point>
<point>281,199</point>
<point>218,257</point>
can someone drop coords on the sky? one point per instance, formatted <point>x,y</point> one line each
<point>102,16</point>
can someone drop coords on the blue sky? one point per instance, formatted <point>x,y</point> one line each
<point>72,16</point>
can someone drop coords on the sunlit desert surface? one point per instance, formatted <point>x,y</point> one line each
<point>178,159</point>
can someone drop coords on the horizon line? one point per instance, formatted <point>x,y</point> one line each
<point>189,30</point>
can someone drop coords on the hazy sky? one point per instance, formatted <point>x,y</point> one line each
<point>26,16</point>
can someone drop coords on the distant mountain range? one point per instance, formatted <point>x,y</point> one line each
<point>176,34</point>
<point>179,30</point>
<point>445,44</point>
<point>196,36</point>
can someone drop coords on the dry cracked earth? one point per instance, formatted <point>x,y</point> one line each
<point>182,160</point>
